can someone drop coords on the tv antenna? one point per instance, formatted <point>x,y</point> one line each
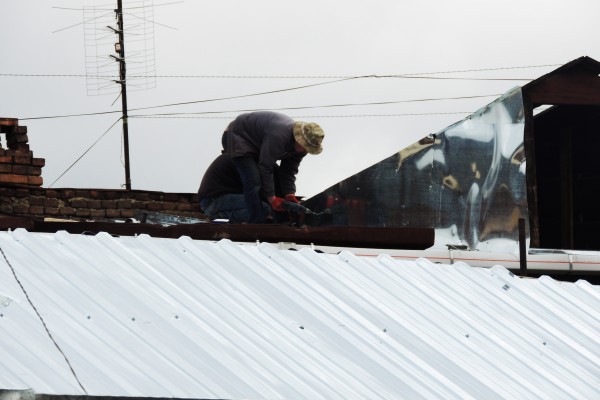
<point>105,56</point>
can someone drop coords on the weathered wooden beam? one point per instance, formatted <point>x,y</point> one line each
<point>570,87</point>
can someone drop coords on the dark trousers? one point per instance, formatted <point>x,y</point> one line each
<point>247,168</point>
<point>250,175</point>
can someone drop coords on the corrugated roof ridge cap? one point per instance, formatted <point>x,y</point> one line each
<point>63,235</point>
<point>142,236</point>
<point>23,234</point>
<point>224,241</point>
<point>270,250</point>
<point>18,233</point>
<point>184,239</point>
<point>304,254</point>
<point>555,285</point>
<point>267,248</point>
<point>352,259</point>
<point>387,260</point>
<point>424,262</point>
<point>346,255</point>
<point>593,290</point>
<point>103,234</point>
<point>501,270</point>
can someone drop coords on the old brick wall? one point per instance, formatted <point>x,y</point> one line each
<point>21,192</point>
<point>94,204</point>
<point>17,164</point>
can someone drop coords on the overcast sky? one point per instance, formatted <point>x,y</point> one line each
<point>223,57</point>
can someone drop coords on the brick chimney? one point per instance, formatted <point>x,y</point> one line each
<point>22,194</point>
<point>17,164</point>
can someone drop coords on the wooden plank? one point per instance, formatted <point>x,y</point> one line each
<point>531,174</point>
<point>576,88</point>
<point>337,236</point>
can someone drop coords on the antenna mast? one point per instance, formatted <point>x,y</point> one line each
<point>100,74</point>
<point>120,49</point>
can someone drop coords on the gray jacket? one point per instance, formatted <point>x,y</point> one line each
<point>267,137</point>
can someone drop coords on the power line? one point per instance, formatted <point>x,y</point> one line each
<point>306,116</point>
<point>379,103</point>
<point>241,96</point>
<point>85,152</point>
<point>249,110</point>
<point>237,97</point>
<point>71,115</point>
<point>112,77</point>
<point>414,75</point>
<point>193,102</point>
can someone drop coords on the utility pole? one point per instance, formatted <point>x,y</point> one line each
<point>120,49</point>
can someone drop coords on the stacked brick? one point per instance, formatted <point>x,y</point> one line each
<point>17,164</point>
<point>95,204</point>
<point>21,192</point>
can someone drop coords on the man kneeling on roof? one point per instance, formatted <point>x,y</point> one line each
<point>240,185</point>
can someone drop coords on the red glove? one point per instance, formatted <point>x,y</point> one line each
<point>277,204</point>
<point>292,197</point>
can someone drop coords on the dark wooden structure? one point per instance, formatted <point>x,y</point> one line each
<point>336,236</point>
<point>562,145</point>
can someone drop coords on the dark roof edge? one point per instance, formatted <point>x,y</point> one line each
<point>336,236</point>
<point>584,61</point>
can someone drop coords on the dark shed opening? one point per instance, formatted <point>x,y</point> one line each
<point>562,145</point>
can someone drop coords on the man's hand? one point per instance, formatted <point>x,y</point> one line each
<point>292,197</point>
<point>276,203</point>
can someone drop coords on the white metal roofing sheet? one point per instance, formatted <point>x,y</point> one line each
<point>152,317</point>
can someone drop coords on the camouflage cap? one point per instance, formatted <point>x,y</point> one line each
<point>310,136</point>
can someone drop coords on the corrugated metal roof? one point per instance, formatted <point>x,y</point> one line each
<point>154,317</point>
